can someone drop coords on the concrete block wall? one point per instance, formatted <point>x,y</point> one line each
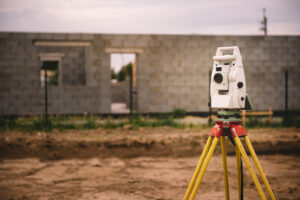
<point>119,92</point>
<point>172,71</point>
<point>20,88</point>
<point>176,76</point>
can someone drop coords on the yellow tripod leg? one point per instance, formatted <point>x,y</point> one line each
<point>203,168</point>
<point>248,164</point>
<point>260,169</point>
<point>223,147</point>
<point>203,155</point>
<point>239,173</point>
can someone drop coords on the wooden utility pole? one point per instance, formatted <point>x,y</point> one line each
<point>264,23</point>
<point>46,94</point>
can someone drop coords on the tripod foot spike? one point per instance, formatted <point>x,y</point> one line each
<point>239,172</point>
<point>250,168</point>
<point>260,169</point>
<point>200,162</point>
<point>203,168</point>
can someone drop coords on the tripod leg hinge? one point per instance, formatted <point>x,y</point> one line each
<point>216,131</point>
<point>238,131</point>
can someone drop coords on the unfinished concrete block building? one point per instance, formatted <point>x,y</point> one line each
<point>171,71</point>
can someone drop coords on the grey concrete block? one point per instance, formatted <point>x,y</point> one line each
<point>172,70</point>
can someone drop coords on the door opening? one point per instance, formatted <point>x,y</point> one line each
<point>123,82</point>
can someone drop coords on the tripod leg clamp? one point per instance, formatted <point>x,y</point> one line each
<point>216,131</point>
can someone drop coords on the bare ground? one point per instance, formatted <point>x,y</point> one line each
<point>126,143</point>
<point>137,164</point>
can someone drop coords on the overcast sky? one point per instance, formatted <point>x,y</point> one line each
<point>150,16</point>
<point>117,60</point>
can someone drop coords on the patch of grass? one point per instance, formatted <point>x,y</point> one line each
<point>43,125</point>
<point>169,121</point>
<point>291,120</point>
<point>165,120</point>
<point>256,122</point>
<point>7,123</point>
<point>112,125</point>
<point>90,124</point>
<point>64,126</point>
<point>134,121</point>
<point>179,112</point>
<point>26,125</point>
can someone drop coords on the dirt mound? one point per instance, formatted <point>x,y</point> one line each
<point>125,143</point>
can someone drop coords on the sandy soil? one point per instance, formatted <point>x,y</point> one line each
<point>138,178</point>
<point>137,164</point>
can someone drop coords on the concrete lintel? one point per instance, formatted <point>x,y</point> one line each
<point>61,43</point>
<point>51,56</point>
<point>124,50</point>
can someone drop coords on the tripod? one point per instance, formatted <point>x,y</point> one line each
<point>228,124</point>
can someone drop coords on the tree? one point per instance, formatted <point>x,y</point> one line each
<point>113,74</point>
<point>126,70</point>
<point>129,69</point>
<point>121,75</point>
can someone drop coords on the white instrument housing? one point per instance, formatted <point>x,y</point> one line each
<point>228,84</point>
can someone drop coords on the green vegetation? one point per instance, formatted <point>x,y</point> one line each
<point>121,76</point>
<point>113,74</point>
<point>126,70</point>
<point>256,122</point>
<point>179,112</point>
<point>61,123</point>
<point>90,124</point>
<point>134,121</point>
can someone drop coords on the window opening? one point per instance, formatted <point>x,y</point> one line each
<point>49,70</point>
